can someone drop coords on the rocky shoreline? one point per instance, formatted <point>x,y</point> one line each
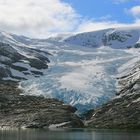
<point>18,111</point>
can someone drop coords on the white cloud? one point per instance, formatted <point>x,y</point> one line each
<point>135,11</point>
<point>96,25</point>
<point>37,17</point>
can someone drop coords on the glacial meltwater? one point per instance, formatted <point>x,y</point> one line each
<point>76,134</point>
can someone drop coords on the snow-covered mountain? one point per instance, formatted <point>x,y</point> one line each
<point>82,69</point>
<point>83,75</point>
<point>115,38</point>
<point>17,61</point>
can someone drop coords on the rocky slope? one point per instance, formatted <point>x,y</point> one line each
<point>21,62</point>
<point>19,111</point>
<point>124,111</point>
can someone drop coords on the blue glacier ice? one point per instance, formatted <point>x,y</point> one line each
<point>79,76</point>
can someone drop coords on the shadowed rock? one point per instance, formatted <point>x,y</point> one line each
<point>123,112</point>
<point>18,111</point>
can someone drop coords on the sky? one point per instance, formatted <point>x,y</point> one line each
<point>105,9</point>
<point>40,18</point>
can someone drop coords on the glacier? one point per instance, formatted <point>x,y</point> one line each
<point>80,69</point>
<point>79,76</point>
<point>83,67</point>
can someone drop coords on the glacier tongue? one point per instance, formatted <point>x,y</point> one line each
<point>82,77</point>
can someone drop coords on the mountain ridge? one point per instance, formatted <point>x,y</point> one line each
<point>83,70</point>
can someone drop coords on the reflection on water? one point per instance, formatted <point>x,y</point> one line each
<point>68,135</point>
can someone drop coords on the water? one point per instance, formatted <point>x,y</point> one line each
<point>82,134</point>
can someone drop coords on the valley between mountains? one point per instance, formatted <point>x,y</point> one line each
<point>78,80</point>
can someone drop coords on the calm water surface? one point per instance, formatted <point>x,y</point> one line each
<point>69,135</point>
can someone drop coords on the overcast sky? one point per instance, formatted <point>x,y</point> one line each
<point>40,18</point>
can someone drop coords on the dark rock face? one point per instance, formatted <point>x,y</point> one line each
<point>120,113</point>
<point>123,112</point>
<point>17,111</point>
<point>4,72</point>
<point>12,61</point>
